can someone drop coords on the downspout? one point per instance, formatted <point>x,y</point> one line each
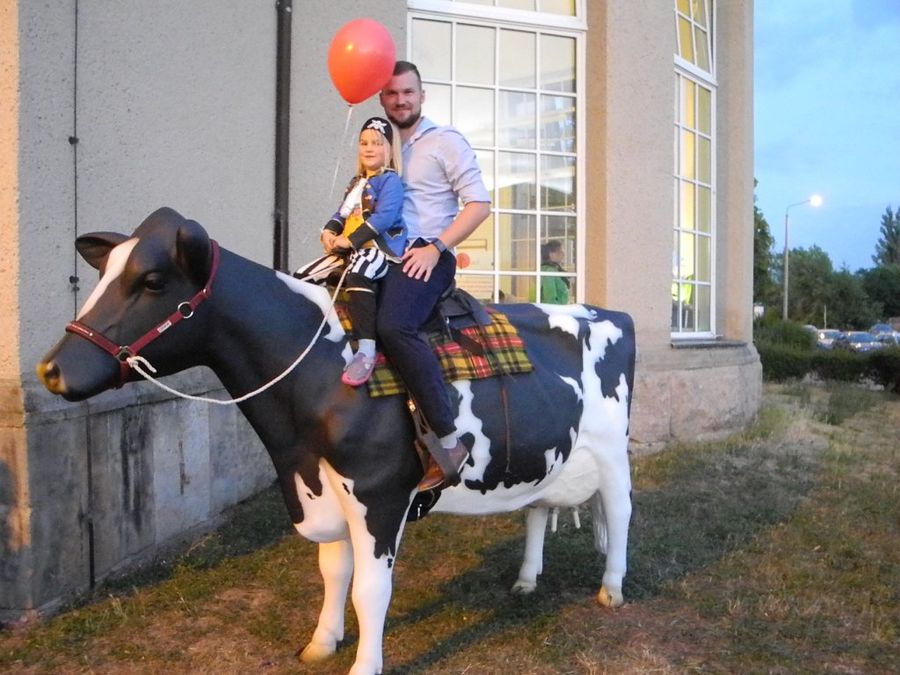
<point>282,134</point>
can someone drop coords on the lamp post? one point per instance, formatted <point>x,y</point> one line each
<point>814,200</point>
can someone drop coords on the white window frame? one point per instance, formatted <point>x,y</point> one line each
<point>540,23</point>
<point>707,79</point>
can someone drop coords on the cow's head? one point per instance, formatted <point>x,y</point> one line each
<point>143,279</point>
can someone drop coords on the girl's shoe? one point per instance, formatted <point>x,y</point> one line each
<point>359,370</point>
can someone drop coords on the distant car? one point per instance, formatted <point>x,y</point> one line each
<point>825,338</point>
<point>881,329</point>
<point>889,339</point>
<point>857,341</point>
<point>809,327</point>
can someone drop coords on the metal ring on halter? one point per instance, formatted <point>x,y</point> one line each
<point>186,314</point>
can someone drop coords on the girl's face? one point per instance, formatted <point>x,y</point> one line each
<point>374,150</point>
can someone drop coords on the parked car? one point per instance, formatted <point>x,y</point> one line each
<point>825,338</point>
<point>889,339</point>
<point>881,329</point>
<point>857,341</point>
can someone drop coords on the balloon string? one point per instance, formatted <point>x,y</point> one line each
<point>340,151</point>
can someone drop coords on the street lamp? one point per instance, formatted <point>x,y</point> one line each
<point>814,200</point>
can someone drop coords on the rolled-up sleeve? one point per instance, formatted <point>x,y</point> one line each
<point>461,167</point>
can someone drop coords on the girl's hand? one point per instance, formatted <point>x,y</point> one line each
<point>328,238</point>
<point>341,243</point>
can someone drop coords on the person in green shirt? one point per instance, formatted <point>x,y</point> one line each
<point>554,290</point>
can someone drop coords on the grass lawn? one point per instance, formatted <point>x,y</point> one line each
<point>777,551</point>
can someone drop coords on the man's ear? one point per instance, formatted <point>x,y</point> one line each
<point>95,246</point>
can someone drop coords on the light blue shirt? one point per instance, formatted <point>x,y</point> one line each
<point>439,171</point>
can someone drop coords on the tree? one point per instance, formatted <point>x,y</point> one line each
<point>764,288</point>
<point>882,285</point>
<point>849,306</point>
<point>810,284</point>
<point>887,249</point>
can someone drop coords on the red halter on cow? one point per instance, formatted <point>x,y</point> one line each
<point>345,460</point>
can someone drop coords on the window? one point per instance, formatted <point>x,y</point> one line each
<point>506,74</point>
<point>693,256</point>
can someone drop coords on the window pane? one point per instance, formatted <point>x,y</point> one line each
<point>475,115</point>
<point>438,106</point>
<point>702,49</point>
<point>517,4</point>
<point>479,246</point>
<point>558,183</point>
<point>431,48</point>
<point>703,259</point>
<point>475,54</point>
<point>486,164</point>
<point>558,123</point>
<point>479,285</point>
<point>517,127</point>
<point>684,6</point>
<point>684,38</point>
<point>564,230</point>
<point>517,289</point>
<point>516,181</point>
<point>704,111</point>
<point>687,207</point>
<point>704,210</point>
<point>517,59</point>
<point>564,7</point>
<point>687,155</point>
<point>517,236</point>
<point>686,262</point>
<point>704,160</point>
<point>698,10</point>
<point>557,63</point>
<point>703,308</point>
<point>688,116</point>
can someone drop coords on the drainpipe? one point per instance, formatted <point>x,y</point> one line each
<point>282,134</point>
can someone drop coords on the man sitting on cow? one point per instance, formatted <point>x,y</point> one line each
<point>440,170</point>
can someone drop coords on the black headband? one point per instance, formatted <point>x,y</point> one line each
<point>380,125</point>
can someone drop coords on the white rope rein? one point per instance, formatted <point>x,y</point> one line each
<point>137,363</point>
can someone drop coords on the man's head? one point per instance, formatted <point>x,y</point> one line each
<point>402,96</point>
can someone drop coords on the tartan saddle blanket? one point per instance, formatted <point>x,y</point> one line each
<point>466,349</point>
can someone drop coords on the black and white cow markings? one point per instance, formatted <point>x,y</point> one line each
<point>345,461</point>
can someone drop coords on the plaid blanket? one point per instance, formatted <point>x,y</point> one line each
<point>504,354</point>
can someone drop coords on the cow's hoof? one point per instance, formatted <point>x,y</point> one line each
<point>524,587</point>
<point>609,598</point>
<point>315,652</point>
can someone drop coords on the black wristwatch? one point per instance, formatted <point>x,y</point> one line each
<point>439,245</point>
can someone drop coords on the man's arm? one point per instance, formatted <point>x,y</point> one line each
<point>418,262</point>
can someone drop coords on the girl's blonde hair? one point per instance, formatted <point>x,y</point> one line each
<point>393,156</point>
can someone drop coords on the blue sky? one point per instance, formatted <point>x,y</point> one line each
<point>827,121</point>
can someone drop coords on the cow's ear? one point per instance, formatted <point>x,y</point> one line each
<point>95,247</point>
<point>193,250</point>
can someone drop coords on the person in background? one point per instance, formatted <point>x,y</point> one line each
<point>554,290</point>
<point>440,171</point>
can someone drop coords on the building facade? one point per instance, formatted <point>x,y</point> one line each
<point>622,130</point>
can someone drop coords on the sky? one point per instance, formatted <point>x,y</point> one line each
<point>827,122</point>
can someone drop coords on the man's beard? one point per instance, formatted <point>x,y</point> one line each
<point>410,122</point>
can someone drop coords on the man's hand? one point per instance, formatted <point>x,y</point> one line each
<point>418,262</point>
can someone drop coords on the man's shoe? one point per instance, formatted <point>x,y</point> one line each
<point>437,477</point>
<point>359,370</point>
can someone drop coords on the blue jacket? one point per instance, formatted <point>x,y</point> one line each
<point>382,211</point>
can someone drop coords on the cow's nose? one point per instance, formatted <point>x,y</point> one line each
<point>48,373</point>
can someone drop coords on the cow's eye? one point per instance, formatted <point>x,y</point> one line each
<point>154,282</point>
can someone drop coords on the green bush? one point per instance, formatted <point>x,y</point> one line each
<point>780,363</point>
<point>776,331</point>
<point>840,365</point>
<point>884,368</point>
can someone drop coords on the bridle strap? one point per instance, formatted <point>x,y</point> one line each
<point>184,310</point>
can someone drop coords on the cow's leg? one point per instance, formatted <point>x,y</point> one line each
<point>598,519</point>
<point>615,505</point>
<point>533,563</point>
<point>336,566</point>
<point>371,595</point>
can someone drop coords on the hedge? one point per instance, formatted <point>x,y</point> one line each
<point>782,363</point>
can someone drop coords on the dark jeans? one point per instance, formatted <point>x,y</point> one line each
<point>404,305</point>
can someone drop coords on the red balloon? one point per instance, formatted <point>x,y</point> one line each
<point>361,59</point>
<point>463,260</point>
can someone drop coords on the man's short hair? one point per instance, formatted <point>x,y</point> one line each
<point>402,67</point>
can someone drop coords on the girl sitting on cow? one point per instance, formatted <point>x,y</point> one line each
<point>367,234</point>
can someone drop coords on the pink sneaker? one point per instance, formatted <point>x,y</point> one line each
<point>359,370</point>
